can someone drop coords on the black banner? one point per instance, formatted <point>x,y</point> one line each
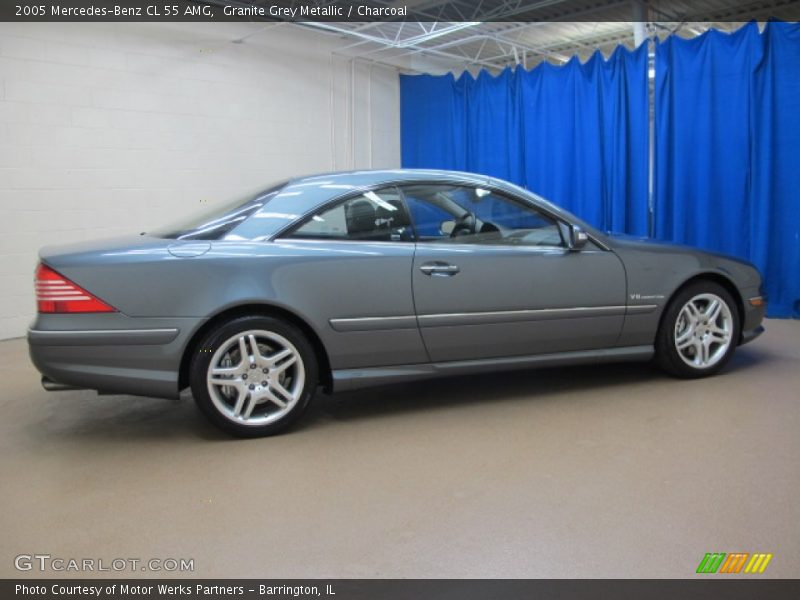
<point>400,589</point>
<point>392,10</point>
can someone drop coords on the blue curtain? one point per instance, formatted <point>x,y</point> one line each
<point>432,123</point>
<point>727,177</point>
<point>575,134</point>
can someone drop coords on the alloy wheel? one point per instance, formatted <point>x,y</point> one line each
<point>256,377</point>
<point>703,331</point>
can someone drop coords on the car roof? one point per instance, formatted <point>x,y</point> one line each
<point>364,177</point>
<point>320,187</point>
<point>302,194</point>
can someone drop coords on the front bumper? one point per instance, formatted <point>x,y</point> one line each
<point>755,309</point>
<point>111,353</point>
<point>751,334</point>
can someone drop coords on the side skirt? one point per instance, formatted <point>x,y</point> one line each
<point>353,379</point>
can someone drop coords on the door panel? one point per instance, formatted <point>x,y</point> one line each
<point>488,301</point>
<point>357,293</point>
<point>350,272</point>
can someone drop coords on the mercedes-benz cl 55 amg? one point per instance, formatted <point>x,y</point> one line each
<point>348,280</point>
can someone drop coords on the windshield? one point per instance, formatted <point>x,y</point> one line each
<point>220,219</point>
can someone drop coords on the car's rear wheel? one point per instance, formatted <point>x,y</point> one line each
<point>254,376</point>
<point>699,331</point>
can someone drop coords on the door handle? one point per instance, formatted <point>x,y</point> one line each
<point>439,269</point>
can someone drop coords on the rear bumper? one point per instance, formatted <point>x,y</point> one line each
<point>102,337</point>
<point>112,354</point>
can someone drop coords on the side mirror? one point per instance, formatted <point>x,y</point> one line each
<point>447,227</point>
<point>577,238</point>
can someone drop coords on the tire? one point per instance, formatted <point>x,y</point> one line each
<point>699,331</point>
<point>269,390</point>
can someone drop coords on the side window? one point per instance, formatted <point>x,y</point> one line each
<point>475,215</point>
<point>372,216</point>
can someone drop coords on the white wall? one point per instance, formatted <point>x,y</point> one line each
<point>112,128</point>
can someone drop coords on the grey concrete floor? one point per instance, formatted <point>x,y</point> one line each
<point>613,471</point>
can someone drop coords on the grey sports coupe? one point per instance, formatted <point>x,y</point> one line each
<point>346,280</point>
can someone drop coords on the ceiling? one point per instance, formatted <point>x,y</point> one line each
<point>494,34</point>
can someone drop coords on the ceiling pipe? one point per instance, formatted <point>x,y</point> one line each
<point>494,38</point>
<point>406,43</point>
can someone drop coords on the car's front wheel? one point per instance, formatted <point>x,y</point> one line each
<point>254,376</point>
<point>699,331</point>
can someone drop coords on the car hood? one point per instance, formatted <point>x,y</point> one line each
<point>636,240</point>
<point>633,242</point>
<point>636,249</point>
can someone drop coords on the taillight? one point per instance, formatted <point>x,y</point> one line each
<point>57,294</point>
